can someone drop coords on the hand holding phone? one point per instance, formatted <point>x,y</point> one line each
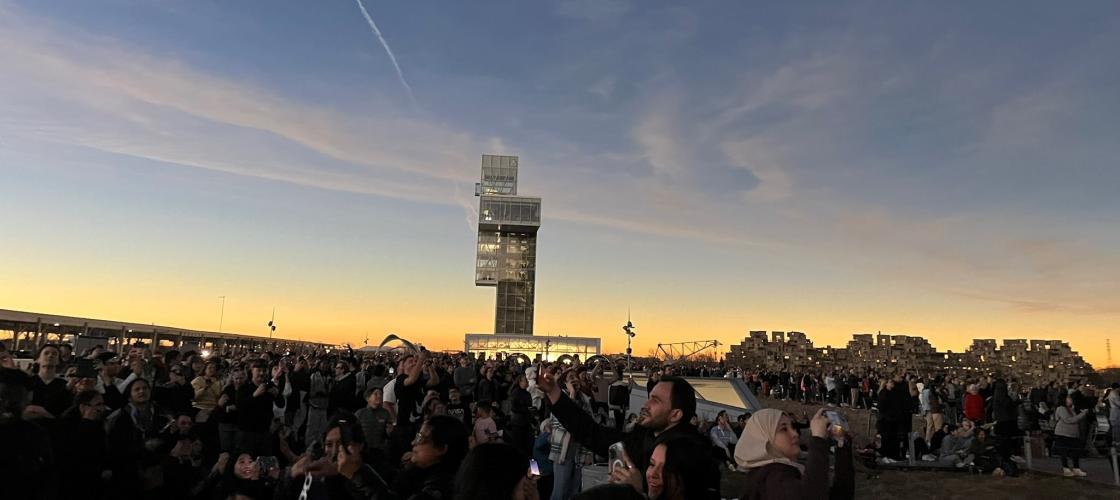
<point>617,457</point>
<point>837,424</point>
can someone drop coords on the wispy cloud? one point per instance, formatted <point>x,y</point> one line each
<point>808,125</point>
<point>657,137</point>
<point>389,51</point>
<point>124,100</point>
<point>754,155</point>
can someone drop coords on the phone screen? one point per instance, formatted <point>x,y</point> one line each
<point>836,419</point>
<point>616,456</point>
<point>534,469</point>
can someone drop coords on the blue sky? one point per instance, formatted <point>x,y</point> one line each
<point>944,168</point>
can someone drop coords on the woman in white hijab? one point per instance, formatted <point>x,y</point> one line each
<point>768,451</point>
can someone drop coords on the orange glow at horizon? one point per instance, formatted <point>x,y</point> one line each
<point>342,323</point>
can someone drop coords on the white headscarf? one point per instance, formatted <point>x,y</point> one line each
<point>754,449</point>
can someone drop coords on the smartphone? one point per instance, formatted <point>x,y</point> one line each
<point>617,456</point>
<point>267,464</point>
<point>534,469</point>
<point>836,420</point>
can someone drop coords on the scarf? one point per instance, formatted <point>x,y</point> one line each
<point>754,449</point>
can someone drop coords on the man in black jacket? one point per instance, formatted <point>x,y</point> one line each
<point>175,395</point>
<point>27,466</point>
<point>254,410</point>
<point>667,412</point>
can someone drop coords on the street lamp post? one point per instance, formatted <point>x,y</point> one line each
<point>222,315</point>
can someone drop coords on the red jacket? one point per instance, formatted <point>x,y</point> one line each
<point>974,407</point>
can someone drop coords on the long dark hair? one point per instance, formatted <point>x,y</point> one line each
<point>450,432</point>
<point>491,470</point>
<point>690,469</point>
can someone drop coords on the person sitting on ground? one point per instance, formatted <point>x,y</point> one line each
<point>495,471</point>
<point>682,468</point>
<point>985,454</point>
<point>724,438</point>
<point>769,449</point>
<point>935,443</point>
<point>954,448</point>
<point>740,422</point>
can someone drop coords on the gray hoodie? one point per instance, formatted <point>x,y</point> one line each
<point>1066,422</point>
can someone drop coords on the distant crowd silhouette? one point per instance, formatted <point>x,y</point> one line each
<point>413,424</point>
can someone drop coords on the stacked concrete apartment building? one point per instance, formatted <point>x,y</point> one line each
<point>1026,360</point>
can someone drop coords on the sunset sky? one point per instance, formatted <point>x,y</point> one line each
<point>942,169</point>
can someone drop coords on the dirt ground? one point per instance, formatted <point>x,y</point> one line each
<point>921,485</point>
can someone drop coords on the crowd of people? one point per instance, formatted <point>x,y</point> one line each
<point>403,424</point>
<point>976,422</point>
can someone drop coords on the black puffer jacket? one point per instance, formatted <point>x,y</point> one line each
<point>1004,409</point>
<point>1028,416</point>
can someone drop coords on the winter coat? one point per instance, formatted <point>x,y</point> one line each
<point>1028,416</point>
<point>974,407</point>
<point>1004,408</point>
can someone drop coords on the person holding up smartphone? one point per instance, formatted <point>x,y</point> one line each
<point>255,399</point>
<point>769,449</point>
<point>667,413</point>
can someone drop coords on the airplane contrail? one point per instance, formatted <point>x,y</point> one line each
<point>392,58</point>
